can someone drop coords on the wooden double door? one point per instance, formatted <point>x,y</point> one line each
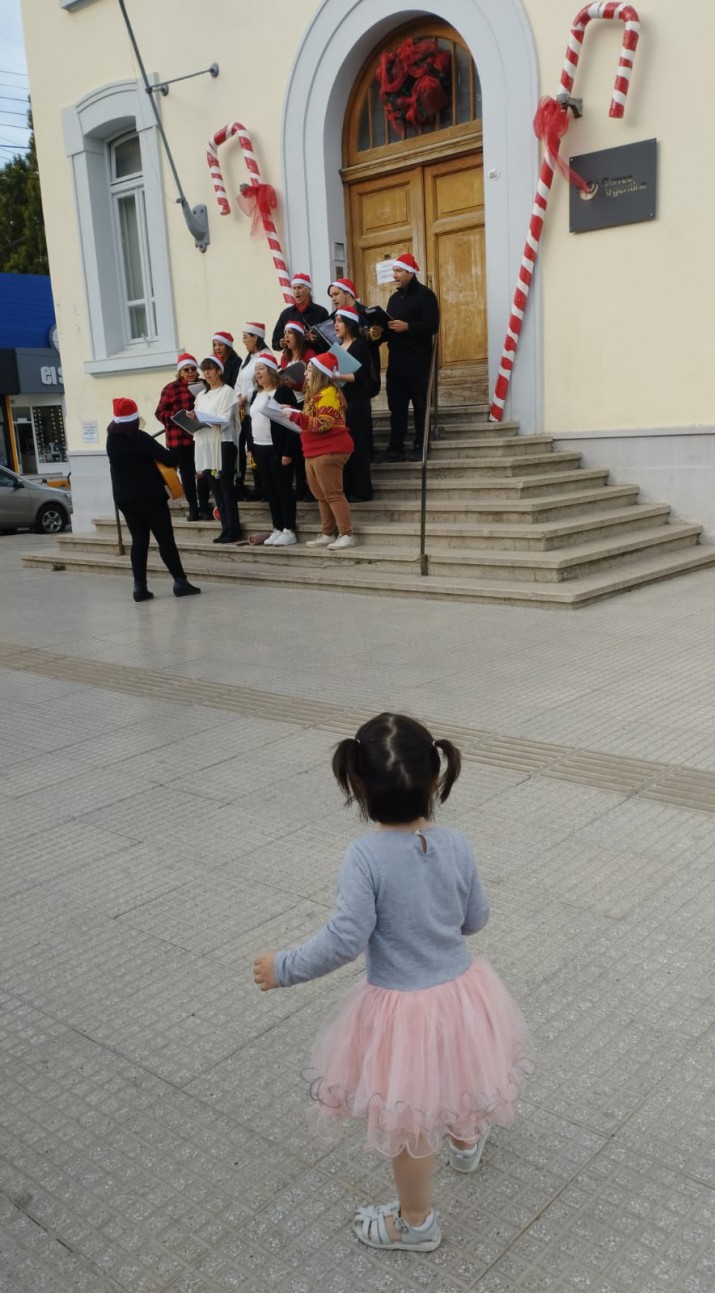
<point>436,211</point>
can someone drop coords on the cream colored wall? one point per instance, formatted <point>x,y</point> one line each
<point>70,54</point>
<point>628,340</point>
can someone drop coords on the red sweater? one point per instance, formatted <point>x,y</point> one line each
<point>322,425</point>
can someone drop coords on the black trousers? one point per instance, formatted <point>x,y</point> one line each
<point>225,492</point>
<point>401,391</point>
<point>203,489</point>
<point>187,471</point>
<point>277,486</point>
<point>357,481</point>
<point>152,517</point>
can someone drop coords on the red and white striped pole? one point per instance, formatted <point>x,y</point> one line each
<point>226,132</point>
<point>551,123</point>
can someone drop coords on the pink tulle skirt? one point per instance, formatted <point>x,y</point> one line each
<point>417,1066</point>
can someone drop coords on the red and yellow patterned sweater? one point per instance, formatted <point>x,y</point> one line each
<point>322,425</point>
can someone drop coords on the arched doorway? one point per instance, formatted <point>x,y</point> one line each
<point>417,185</point>
<point>337,41</point>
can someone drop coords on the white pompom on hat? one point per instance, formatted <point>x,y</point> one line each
<point>268,359</point>
<point>406,262</point>
<point>326,363</point>
<point>124,410</point>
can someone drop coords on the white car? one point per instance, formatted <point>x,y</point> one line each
<point>25,503</point>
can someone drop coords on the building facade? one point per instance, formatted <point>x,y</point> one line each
<point>614,356</point>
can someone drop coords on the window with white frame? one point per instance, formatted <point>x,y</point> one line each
<point>111,138</point>
<point>126,186</point>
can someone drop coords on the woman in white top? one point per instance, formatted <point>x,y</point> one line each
<point>254,339</point>
<point>216,446</point>
<point>274,448</point>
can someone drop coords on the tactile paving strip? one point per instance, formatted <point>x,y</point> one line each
<point>678,785</point>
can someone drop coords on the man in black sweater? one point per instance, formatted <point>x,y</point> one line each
<point>305,310</point>
<point>414,320</point>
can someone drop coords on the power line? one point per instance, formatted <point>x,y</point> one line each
<point>5,112</point>
<point>11,98</point>
<point>8,125</point>
<point>7,71</point>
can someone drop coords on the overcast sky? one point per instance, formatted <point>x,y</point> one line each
<point>13,82</point>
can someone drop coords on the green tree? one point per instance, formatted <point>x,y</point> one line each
<point>23,249</point>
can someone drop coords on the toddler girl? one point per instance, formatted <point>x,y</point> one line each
<point>431,1044</point>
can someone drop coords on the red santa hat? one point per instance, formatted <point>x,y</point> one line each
<point>346,285</point>
<point>268,359</point>
<point>212,359</point>
<point>346,313</point>
<point>407,262</point>
<point>295,326</point>
<point>326,363</point>
<point>224,337</point>
<point>255,329</point>
<point>125,411</point>
<point>302,280</point>
<point>185,360</point>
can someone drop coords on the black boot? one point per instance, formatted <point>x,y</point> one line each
<point>141,592</point>
<point>182,588</point>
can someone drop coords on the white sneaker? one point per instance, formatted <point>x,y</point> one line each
<point>322,541</point>
<point>467,1160</point>
<point>343,541</point>
<point>285,539</point>
<point>273,538</point>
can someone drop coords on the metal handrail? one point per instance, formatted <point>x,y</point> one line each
<point>430,420</point>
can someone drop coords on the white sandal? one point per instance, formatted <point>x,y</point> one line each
<point>370,1228</point>
<point>467,1160</point>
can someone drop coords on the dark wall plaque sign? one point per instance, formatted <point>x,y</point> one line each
<point>622,187</point>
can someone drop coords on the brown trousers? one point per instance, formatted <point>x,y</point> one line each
<point>325,482</point>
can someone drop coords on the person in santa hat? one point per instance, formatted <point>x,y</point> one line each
<point>343,294</point>
<point>222,343</point>
<point>327,445</point>
<point>174,397</point>
<point>254,341</point>
<point>140,493</point>
<point>305,310</point>
<point>414,320</point>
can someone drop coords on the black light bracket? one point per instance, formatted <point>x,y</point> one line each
<point>576,105</point>
<point>197,218</point>
<point>163,86</point>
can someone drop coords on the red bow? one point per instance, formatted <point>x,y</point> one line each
<point>551,122</point>
<point>257,201</point>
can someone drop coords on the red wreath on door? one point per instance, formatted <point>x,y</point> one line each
<point>415,82</point>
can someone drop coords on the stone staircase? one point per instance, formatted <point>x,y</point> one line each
<point>509,519</point>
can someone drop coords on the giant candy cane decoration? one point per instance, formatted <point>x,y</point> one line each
<point>226,132</point>
<point>551,123</point>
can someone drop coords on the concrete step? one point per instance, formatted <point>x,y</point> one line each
<point>479,563</point>
<point>522,484</point>
<point>510,506</point>
<point>476,446</point>
<point>345,576</point>
<point>465,471</point>
<point>441,534</point>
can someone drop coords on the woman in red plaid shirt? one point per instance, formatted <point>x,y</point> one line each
<point>173,398</point>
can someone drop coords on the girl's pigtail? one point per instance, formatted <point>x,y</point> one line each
<point>345,768</point>
<point>453,760</point>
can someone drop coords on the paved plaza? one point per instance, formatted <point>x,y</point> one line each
<point>168,811</point>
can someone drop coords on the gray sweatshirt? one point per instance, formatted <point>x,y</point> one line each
<point>405,908</point>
